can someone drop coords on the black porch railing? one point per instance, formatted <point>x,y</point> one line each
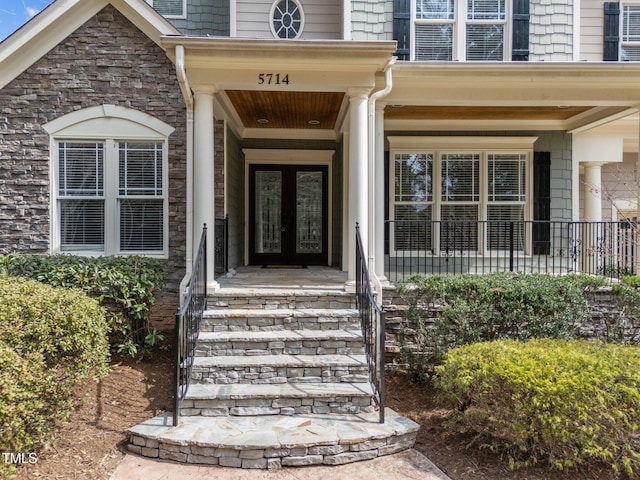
<point>372,318</point>
<point>457,247</point>
<point>188,321</point>
<point>221,245</point>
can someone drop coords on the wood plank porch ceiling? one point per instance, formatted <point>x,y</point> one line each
<point>320,110</point>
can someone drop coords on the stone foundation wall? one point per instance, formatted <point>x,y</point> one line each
<point>607,321</point>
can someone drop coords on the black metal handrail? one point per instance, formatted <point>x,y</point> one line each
<point>555,247</point>
<point>188,320</point>
<point>372,318</point>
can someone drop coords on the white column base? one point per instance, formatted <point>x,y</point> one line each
<point>212,287</point>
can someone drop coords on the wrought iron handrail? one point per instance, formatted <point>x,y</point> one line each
<point>447,247</point>
<point>372,318</point>
<point>188,320</point>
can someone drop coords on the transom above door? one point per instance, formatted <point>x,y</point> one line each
<point>288,214</point>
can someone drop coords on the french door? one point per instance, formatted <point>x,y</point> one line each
<point>288,214</point>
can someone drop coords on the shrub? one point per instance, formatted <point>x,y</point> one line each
<point>476,308</point>
<point>125,285</point>
<point>566,403</point>
<point>50,339</point>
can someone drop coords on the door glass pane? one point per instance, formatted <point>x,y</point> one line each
<point>308,212</point>
<point>268,212</point>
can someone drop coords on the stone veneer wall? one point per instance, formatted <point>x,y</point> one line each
<point>106,61</point>
<point>551,31</point>
<point>372,20</point>
<point>602,303</point>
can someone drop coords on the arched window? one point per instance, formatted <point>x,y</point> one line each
<point>109,182</point>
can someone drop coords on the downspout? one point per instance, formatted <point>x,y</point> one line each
<point>187,94</point>
<point>375,96</point>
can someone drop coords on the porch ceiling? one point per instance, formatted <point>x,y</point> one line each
<point>285,109</point>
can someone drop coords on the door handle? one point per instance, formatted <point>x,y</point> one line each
<point>283,229</point>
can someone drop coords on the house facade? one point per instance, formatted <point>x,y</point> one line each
<point>126,125</point>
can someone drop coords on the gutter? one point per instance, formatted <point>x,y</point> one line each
<point>373,181</point>
<point>187,94</point>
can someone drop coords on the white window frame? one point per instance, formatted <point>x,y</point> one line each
<point>439,146</point>
<point>271,19</point>
<point>110,125</point>
<point>623,42</point>
<point>459,24</point>
<point>182,16</point>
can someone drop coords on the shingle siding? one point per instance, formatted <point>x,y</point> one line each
<point>551,31</point>
<point>205,17</point>
<point>372,19</point>
<point>106,61</point>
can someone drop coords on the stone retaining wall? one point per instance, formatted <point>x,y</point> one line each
<point>608,321</point>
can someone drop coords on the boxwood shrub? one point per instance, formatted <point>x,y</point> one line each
<point>565,403</point>
<point>50,339</point>
<point>126,286</point>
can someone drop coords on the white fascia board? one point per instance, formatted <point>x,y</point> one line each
<point>60,19</point>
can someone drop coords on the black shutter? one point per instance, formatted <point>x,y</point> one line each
<point>541,203</point>
<point>386,202</point>
<point>520,44</point>
<point>402,28</point>
<point>611,31</point>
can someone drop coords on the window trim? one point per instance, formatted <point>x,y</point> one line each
<point>459,24</point>
<point>182,16</point>
<point>438,146</point>
<point>122,125</point>
<point>271,19</point>
<point>622,42</point>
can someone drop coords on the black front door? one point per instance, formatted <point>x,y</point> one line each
<point>288,209</point>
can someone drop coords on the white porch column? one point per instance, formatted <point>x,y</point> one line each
<point>378,214</point>
<point>592,192</point>
<point>358,175</point>
<point>203,178</point>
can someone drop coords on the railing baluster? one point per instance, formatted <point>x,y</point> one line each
<point>188,320</point>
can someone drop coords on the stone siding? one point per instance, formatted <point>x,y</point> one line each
<point>551,31</point>
<point>106,61</point>
<point>371,20</point>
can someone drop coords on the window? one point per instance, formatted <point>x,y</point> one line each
<point>170,8</point>
<point>287,19</point>
<point>444,195</point>
<point>472,30</point>
<point>630,38</point>
<point>111,196</point>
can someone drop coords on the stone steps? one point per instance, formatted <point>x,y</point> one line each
<point>287,298</point>
<point>290,342</point>
<point>243,319</point>
<point>285,399</point>
<point>273,369</point>
<point>274,441</point>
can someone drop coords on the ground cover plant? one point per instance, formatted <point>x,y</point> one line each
<point>50,340</point>
<point>126,286</point>
<point>563,403</point>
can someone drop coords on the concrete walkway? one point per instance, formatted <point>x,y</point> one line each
<point>407,465</point>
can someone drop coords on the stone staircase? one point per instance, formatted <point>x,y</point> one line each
<point>280,379</point>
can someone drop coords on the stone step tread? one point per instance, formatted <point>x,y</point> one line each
<point>281,291</point>
<point>292,361</point>
<point>279,335</point>
<point>281,313</point>
<point>275,431</point>
<point>242,391</point>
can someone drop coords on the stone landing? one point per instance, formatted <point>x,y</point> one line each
<point>275,441</point>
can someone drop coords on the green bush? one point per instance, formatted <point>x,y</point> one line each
<point>50,339</point>
<point>124,285</point>
<point>564,403</point>
<point>476,308</point>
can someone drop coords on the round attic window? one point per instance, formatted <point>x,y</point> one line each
<point>287,19</point>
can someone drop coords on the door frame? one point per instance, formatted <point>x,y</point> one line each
<point>255,156</point>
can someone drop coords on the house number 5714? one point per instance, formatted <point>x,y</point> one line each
<point>273,79</point>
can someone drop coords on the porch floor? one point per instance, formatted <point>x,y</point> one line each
<point>313,277</point>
